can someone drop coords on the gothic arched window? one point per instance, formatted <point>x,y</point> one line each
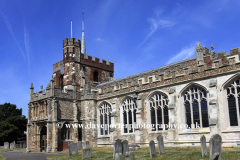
<point>196,107</point>
<point>105,118</point>
<point>129,115</point>
<point>233,98</point>
<point>159,112</point>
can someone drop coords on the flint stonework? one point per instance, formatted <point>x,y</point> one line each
<point>215,146</point>
<point>6,145</point>
<point>125,147</point>
<point>87,153</point>
<point>152,149</point>
<point>161,149</point>
<point>73,149</point>
<point>203,145</point>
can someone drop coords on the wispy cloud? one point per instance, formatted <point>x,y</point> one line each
<point>13,35</point>
<point>99,39</point>
<point>156,23</point>
<point>185,53</point>
<point>26,56</point>
<point>27,46</point>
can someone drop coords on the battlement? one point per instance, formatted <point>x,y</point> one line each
<point>97,62</point>
<point>73,41</point>
<point>57,66</point>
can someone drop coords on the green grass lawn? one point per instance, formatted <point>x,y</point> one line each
<point>6,150</point>
<point>143,154</point>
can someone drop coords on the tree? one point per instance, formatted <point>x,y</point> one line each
<point>12,123</point>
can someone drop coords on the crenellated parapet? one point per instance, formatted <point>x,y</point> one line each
<point>72,42</point>
<point>213,64</point>
<point>97,63</point>
<point>57,66</point>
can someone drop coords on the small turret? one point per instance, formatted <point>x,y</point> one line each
<point>199,53</point>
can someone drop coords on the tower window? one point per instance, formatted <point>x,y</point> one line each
<point>95,76</point>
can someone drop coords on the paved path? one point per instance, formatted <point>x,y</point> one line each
<point>19,155</point>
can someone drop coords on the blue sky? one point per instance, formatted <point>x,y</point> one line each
<point>137,35</point>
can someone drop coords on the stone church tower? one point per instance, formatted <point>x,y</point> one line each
<point>69,98</point>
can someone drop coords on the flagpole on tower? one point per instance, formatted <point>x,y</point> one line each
<point>71,29</point>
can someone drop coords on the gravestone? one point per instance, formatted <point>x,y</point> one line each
<point>161,149</point>
<point>133,147</point>
<point>119,156</point>
<point>152,149</point>
<point>125,147</point>
<point>130,156</point>
<point>79,144</point>
<point>24,145</point>
<point>118,147</point>
<point>215,145</point>
<point>17,145</point>
<point>203,145</point>
<point>73,149</point>
<point>12,145</point>
<point>6,145</point>
<point>87,153</point>
<point>87,145</point>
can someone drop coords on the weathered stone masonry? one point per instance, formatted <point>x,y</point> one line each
<point>203,90</point>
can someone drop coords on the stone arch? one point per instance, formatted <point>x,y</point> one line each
<point>230,80</point>
<point>191,85</point>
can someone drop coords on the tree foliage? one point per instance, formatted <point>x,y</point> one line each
<point>12,123</point>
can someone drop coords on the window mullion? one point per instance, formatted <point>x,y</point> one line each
<point>190,93</point>
<point>200,108</point>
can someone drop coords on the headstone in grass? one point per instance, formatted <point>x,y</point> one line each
<point>161,149</point>
<point>87,145</point>
<point>79,144</point>
<point>12,145</point>
<point>215,146</point>
<point>24,145</point>
<point>130,156</point>
<point>118,147</point>
<point>119,156</point>
<point>73,149</point>
<point>17,145</point>
<point>87,153</point>
<point>152,149</point>
<point>6,145</point>
<point>125,147</point>
<point>203,145</point>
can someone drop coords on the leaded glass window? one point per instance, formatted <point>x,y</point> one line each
<point>105,118</point>
<point>159,112</point>
<point>233,92</point>
<point>129,115</point>
<point>196,107</point>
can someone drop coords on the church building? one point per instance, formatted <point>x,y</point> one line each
<point>181,101</point>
